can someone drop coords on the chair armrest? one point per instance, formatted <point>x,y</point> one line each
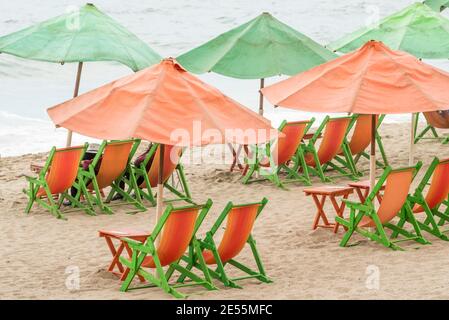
<point>356,205</point>
<point>136,245</point>
<point>34,180</point>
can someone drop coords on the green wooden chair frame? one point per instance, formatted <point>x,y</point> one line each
<point>367,209</point>
<point>162,278</point>
<point>35,183</point>
<point>208,243</point>
<point>272,173</point>
<point>89,176</point>
<point>418,198</point>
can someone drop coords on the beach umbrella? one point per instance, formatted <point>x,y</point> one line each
<point>417,29</point>
<point>79,36</point>
<point>437,5</point>
<point>163,104</point>
<point>371,80</point>
<point>260,48</point>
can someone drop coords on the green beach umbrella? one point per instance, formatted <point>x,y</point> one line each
<point>437,5</point>
<point>83,35</point>
<point>261,48</point>
<point>417,29</point>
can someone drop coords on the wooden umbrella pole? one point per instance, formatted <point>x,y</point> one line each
<point>160,187</point>
<point>75,94</point>
<point>262,84</point>
<point>372,171</point>
<point>411,157</point>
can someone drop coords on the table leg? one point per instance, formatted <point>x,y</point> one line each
<point>115,255</point>
<point>339,209</point>
<point>235,155</point>
<point>320,211</point>
<point>130,255</point>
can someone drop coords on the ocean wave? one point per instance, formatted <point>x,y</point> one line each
<point>20,135</point>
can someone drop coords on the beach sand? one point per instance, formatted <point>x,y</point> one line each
<point>39,252</point>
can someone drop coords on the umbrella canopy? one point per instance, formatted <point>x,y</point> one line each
<point>161,104</point>
<point>260,48</point>
<point>437,5</point>
<point>417,29</point>
<point>371,80</point>
<point>79,36</point>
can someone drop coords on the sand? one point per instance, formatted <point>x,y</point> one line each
<point>40,253</point>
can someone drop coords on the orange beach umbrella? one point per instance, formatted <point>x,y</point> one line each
<point>371,80</point>
<point>163,104</point>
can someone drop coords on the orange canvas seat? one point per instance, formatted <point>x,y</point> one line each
<point>55,178</point>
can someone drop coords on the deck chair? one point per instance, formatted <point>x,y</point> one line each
<point>239,225</point>
<point>274,158</point>
<point>178,227</point>
<point>113,158</point>
<point>148,179</point>
<point>331,143</point>
<point>394,204</point>
<point>59,173</point>
<point>434,120</point>
<point>430,203</point>
<point>360,140</point>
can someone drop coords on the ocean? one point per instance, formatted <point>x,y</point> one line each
<point>170,27</point>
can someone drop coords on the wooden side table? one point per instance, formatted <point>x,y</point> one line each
<point>116,251</point>
<point>362,189</point>
<point>236,155</point>
<point>319,195</point>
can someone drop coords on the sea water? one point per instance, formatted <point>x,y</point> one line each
<point>171,27</point>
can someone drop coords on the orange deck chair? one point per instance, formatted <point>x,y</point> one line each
<point>146,174</point>
<point>331,143</point>
<point>59,173</point>
<point>113,159</point>
<point>275,157</point>
<point>354,148</point>
<point>430,204</point>
<point>239,225</point>
<point>178,227</point>
<point>394,204</point>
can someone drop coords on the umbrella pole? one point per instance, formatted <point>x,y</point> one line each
<point>412,141</point>
<point>372,163</point>
<point>75,94</point>
<point>262,84</point>
<point>160,187</point>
